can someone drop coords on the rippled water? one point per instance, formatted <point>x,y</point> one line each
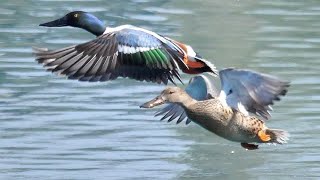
<point>52,128</point>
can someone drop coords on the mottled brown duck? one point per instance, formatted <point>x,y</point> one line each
<point>235,114</point>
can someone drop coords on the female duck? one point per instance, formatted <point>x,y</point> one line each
<point>227,115</point>
<point>125,51</point>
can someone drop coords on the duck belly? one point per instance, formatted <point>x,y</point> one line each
<point>233,127</point>
<point>236,133</point>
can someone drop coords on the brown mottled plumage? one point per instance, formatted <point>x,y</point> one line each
<point>219,118</point>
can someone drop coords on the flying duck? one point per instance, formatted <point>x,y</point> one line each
<point>236,114</point>
<point>123,51</point>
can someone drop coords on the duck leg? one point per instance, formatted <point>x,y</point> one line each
<point>249,146</point>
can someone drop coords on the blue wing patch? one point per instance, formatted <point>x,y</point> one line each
<point>136,38</point>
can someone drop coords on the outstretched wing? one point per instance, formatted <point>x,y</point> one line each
<point>200,88</point>
<point>249,91</point>
<point>127,52</point>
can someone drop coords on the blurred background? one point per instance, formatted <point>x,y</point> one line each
<point>53,128</point>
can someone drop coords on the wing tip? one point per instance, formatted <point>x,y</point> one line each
<point>39,49</point>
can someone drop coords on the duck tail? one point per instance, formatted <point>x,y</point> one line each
<point>278,136</point>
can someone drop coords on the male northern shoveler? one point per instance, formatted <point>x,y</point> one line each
<point>227,115</point>
<point>125,51</point>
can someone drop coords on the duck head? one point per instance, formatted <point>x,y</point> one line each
<point>79,19</point>
<point>170,94</point>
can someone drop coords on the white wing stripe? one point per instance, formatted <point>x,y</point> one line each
<point>131,50</point>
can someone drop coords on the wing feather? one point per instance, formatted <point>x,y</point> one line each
<point>127,52</point>
<point>256,92</point>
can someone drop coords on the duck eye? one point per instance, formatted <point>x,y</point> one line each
<point>171,92</point>
<point>230,91</point>
<point>75,15</point>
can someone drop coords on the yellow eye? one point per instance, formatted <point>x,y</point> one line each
<point>75,15</point>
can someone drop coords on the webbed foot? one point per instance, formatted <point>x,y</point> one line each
<point>263,136</point>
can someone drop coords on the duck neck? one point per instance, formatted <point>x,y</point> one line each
<point>187,101</point>
<point>96,28</point>
<point>92,24</point>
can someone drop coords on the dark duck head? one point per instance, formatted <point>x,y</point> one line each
<point>79,19</point>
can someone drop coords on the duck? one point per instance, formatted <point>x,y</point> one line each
<point>122,51</point>
<point>237,113</point>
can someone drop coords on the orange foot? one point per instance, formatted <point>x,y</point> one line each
<point>263,136</point>
<point>249,146</point>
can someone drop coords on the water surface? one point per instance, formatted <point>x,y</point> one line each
<point>53,128</point>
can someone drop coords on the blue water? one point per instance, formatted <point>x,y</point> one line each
<point>53,128</point>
